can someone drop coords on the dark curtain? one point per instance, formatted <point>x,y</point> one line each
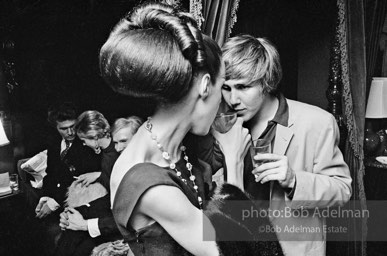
<point>351,70</point>
<point>219,18</point>
<point>354,85</point>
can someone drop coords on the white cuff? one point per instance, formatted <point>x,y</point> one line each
<point>92,227</point>
<point>52,204</point>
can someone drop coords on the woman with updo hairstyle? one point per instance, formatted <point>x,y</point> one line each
<point>157,186</point>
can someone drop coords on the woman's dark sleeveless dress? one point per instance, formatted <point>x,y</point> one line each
<point>152,239</point>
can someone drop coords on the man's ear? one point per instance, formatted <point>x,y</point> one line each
<point>204,86</point>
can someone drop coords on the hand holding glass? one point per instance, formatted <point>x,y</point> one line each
<point>224,121</point>
<point>259,146</point>
<point>13,182</point>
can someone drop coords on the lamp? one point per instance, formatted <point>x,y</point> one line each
<point>4,177</point>
<point>377,99</point>
<point>3,137</point>
<point>376,109</point>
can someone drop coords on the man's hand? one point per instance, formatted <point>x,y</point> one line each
<point>42,210</point>
<point>75,220</point>
<point>63,220</point>
<point>39,206</point>
<point>87,178</point>
<point>274,167</point>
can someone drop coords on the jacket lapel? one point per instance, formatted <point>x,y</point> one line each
<point>282,140</point>
<point>283,137</point>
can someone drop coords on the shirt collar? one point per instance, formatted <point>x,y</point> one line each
<point>282,115</point>
<point>63,144</point>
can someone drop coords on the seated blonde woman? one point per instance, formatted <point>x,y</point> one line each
<point>88,219</point>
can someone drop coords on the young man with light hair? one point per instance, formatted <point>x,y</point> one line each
<point>306,169</point>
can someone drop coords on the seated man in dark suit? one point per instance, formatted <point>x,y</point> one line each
<point>66,158</point>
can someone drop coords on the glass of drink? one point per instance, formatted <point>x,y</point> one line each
<point>14,182</point>
<point>259,146</point>
<point>224,121</point>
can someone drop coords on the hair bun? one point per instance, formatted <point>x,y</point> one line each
<point>181,25</point>
<point>155,52</point>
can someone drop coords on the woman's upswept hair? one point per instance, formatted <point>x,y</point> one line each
<point>155,52</point>
<point>133,122</point>
<point>253,59</point>
<point>92,124</point>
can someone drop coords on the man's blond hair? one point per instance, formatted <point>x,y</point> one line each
<point>254,60</point>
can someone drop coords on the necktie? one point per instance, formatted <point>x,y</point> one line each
<point>64,152</point>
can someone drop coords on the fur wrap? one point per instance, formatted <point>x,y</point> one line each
<point>235,235</point>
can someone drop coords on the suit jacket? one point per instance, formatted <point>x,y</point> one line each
<point>101,209</point>
<point>310,141</point>
<point>60,173</point>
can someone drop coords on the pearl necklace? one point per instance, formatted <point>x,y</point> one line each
<point>172,166</point>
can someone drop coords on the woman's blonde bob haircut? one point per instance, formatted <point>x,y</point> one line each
<point>92,124</point>
<point>254,60</point>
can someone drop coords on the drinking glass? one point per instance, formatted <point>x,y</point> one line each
<point>259,146</point>
<point>14,182</point>
<point>224,121</point>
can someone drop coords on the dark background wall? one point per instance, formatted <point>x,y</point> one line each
<point>57,44</point>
